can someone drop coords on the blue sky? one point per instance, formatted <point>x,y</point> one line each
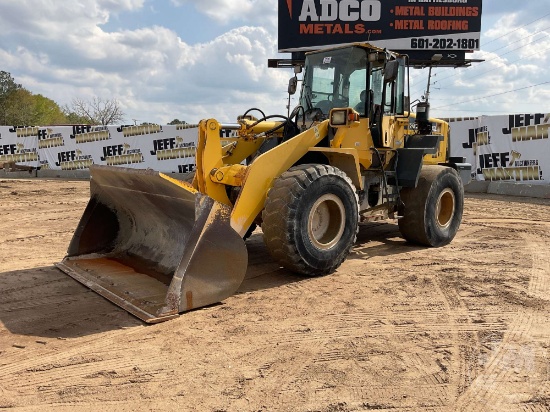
<point>194,59</point>
<point>183,19</point>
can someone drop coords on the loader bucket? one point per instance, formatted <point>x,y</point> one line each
<point>153,245</point>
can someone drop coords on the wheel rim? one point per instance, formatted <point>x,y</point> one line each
<point>326,221</point>
<point>445,208</point>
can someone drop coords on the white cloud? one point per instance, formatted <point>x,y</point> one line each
<point>221,10</point>
<point>37,18</point>
<point>527,11</point>
<point>252,11</point>
<point>62,51</point>
<point>515,53</point>
<point>151,71</point>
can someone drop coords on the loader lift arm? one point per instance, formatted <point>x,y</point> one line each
<point>146,240</point>
<point>256,179</point>
<point>157,246</point>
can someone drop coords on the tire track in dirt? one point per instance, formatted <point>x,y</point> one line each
<point>491,221</point>
<point>38,305</point>
<point>85,367</point>
<point>464,336</point>
<point>517,356</point>
<point>40,299</point>
<point>432,389</point>
<point>392,324</point>
<point>371,336</point>
<point>539,284</point>
<point>90,375</point>
<point>34,238</point>
<point>296,350</point>
<point>457,319</point>
<point>490,390</point>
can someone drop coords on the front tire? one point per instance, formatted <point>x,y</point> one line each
<point>433,209</point>
<point>310,220</point>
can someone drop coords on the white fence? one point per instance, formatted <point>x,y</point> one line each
<point>500,148</point>
<point>511,148</point>
<point>163,148</point>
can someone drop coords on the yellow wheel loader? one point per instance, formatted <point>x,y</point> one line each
<point>350,152</point>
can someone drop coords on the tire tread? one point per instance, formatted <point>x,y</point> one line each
<point>281,209</point>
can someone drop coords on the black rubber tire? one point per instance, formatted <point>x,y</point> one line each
<point>310,219</point>
<point>433,210</point>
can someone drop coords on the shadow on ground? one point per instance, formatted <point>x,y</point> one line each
<point>380,239</point>
<point>46,302</point>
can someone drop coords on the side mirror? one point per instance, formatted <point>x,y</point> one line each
<point>391,70</point>
<point>292,85</point>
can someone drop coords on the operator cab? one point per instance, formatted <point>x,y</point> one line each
<point>357,77</point>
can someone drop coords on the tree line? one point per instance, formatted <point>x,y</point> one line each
<point>20,107</point>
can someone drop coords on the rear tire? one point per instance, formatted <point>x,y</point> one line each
<point>310,220</point>
<point>433,209</point>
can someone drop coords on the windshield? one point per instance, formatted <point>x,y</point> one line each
<point>345,78</point>
<point>334,79</point>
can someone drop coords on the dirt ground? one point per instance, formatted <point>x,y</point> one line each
<point>397,327</point>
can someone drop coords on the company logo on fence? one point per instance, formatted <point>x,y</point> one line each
<point>187,168</point>
<point>173,148</point>
<point>525,127</point>
<point>513,153</point>
<point>128,131</point>
<point>121,154</point>
<point>185,126</point>
<point>74,160</point>
<point>477,137</point>
<point>47,138</point>
<point>508,166</point>
<point>17,152</point>
<point>89,134</point>
<point>519,174</point>
<point>24,131</point>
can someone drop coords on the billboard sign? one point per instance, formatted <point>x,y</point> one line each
<point>429,25</point>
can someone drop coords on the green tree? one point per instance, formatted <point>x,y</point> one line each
<point>20,108</point>
<point>7,86</point>
<point>25,108</point>
<point>47,111</point>
<point>177,121</point>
